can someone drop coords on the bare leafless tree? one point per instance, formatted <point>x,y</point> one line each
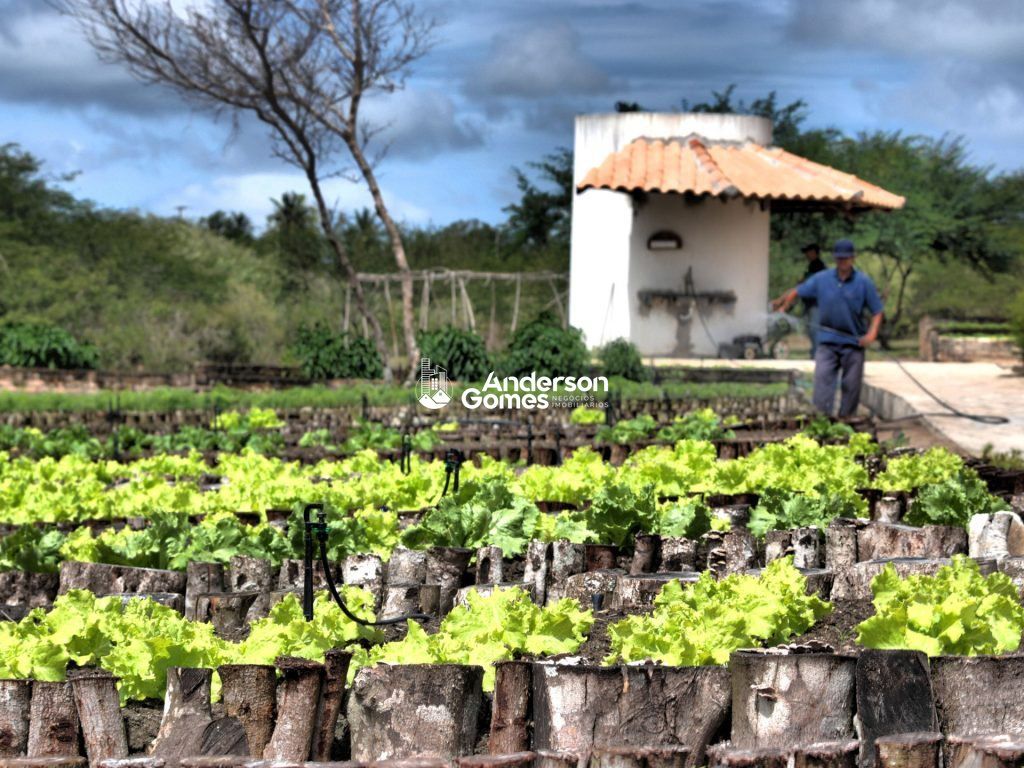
<point>302,67</point>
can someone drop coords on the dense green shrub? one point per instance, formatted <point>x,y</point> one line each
<point>544,346</point>
<point>325,354</point>
<point>32,345</point>
<point>622,358</point>
<point>461,353</point>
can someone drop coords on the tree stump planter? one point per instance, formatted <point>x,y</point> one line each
<point>407,566</point>
<point>639,757</point>
<point>446,567</point>
<point>99,713</point>
<point>298,702</point>
<point>576,708</point>
<point>506,760</point>
<point>53,721</point>
<point>250,574</point>
<point>105,579</point>
<point>781,699</point>
<point>30,589</point>
<point>583,587</point>
<point>995,751</point>
<point>142,723</point>
<point>567,559</point>
<point>15,696</point>
<point>881,541</point>
<point>489,562</point>
<point>728,756</point>
<point>829,754</point>
<point>42,762</point>
<point>894,696</point>
<point>332,696</point>
<point>677,554</point>
<point>366,571</point>
<point>997,535</point>
<point>806,545</point>
<point>511,708</point>
<point>854,582</point>
<point>415,710</point>
<point>909,750</point>
<point>538,561</point>
<point>201,579</point>
<point>977,695</point>
<point>249,695</point>
<point>638,592</point>
<point>187,714</point>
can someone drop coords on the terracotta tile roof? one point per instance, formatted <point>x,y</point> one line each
<point>697,166</point>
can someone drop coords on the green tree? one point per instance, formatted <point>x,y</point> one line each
<point>234,226</point>
<point>542,216</point>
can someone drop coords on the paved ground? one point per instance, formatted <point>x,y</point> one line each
<point>976,388</point>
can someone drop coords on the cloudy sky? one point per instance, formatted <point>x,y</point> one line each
<point>503,83</point>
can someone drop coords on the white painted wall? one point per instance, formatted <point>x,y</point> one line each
<point>725,243</point>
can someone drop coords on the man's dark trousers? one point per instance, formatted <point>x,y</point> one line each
<point>830,362</point>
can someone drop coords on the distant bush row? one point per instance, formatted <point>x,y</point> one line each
<point>542,345</point>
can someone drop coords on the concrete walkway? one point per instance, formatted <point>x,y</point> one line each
<point>976,388</point>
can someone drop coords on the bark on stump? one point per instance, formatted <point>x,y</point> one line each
<point>535,573</point>
<point>894,696</point>
<point>365,571</point>
<point>15,696</point>
<point>489,565</point>
<point>567,559</point>
<point>796,698</point>
<point>291,575</point>
<point>201,579</point>
<point>677,554</point>
<point>908,750</point>
<point>553,758</point>
<point>486,590</point>
<point>882,541</point>
<point>639,757</point>
<point>997,535</point>
<point>249,694</point>
<point>105,579</point>
<point>841,544</point>
<point>728,756</point>
<point>42,762</point>
<point>510,711</point>
<point>53,722</point>
<point>974,694</point>
<point>250,574</point>
<point>227,612</point>
<point>186,714</point>
<point>99,713</point>
<point>332,697</point>
<point>638,592</point>
<point>298,701</point>
<point>854,583</point>
<point>806,545</point>
<point>400,600</point>
<point>415,710</point>
<point>646,554</point>
<point>583,587</point>
<point>996,751</point>
<point>407,566</point>
<point>32,589</point>
<point>445,567</point>
<point>888,509</point>
<point>576,708</point>
<point>729,552</point>
<point>509,760</point>
<point>827,754</point>
<point>134,762</point>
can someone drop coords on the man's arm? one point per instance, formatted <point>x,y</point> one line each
<point>868,338</point>
<point>785,301</point>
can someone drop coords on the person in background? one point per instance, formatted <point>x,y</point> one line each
<point>812,253</point>
<point>842,295</point>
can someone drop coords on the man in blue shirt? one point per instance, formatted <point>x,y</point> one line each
<point>843,294</point>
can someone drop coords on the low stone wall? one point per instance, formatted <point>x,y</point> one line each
<point>937,347</point>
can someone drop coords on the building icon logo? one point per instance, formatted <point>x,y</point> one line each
<point>434,387</point>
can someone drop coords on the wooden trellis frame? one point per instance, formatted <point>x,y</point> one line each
<point>461,304</point>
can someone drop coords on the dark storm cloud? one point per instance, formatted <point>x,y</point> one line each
<point>45,60</point>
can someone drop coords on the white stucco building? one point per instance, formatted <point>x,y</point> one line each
<point>670,226</point>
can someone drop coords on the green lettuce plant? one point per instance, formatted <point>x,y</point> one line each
<point>702,623</point>
<point>503,625</point>
<point>956,611</point>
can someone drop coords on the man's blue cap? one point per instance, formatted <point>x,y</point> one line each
<point>843,249</point>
